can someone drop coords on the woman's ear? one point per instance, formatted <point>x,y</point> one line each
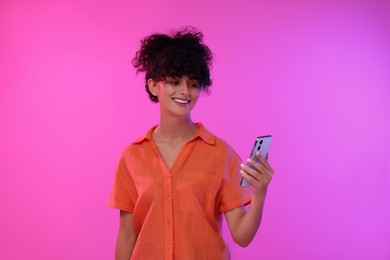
<point>152,85</point>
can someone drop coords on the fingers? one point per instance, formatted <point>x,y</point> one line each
<point>258,172</point>
<point>265,163</point>
<point>247,176</point>
<point>256,178</point>
<point>255,170</point>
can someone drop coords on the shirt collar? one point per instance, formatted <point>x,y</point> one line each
<point>202,133</point>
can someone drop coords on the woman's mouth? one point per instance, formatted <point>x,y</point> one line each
<point>181,101</point>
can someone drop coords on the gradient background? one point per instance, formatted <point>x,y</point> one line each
<point>315,75</point>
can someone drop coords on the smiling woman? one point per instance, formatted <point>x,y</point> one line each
<point>173,184</point>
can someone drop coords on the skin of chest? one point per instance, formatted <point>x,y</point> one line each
<point>169,152</point>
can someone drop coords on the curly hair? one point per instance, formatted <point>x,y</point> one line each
<point>182,53</point>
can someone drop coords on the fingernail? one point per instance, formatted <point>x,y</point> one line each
<point>242,165</point>
<point>242,172</point>
<point>249,160</point>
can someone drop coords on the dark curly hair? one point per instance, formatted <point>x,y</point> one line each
<point>176,55</point>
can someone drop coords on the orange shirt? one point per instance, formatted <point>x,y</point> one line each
<point>178,213</point>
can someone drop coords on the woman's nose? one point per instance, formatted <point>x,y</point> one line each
<point>185,88</point>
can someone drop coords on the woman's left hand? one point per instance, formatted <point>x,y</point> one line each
<point>259,173</point>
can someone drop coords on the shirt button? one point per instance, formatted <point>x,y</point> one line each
<point>169,198</point>
<point>169,245</point>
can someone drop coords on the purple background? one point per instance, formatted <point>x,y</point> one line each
<point>314,74</point>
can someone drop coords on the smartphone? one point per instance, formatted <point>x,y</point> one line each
<point>262,144</point>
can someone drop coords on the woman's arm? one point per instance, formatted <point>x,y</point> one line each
<point>126,236</point>
<point>243,224</point>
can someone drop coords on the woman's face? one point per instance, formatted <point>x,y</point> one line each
<point>177,96</point>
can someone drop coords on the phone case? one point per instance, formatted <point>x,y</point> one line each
<point>262,145</point>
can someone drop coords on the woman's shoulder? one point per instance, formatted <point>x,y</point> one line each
<point>223,147</point>
<point>138,143</point>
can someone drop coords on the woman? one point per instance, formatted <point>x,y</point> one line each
<point>173,184</point>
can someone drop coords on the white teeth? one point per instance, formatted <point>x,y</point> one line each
<point>181,101</point>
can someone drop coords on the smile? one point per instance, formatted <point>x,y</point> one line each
<point>181,101</point>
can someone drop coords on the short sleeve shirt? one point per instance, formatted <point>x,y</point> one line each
<point>178,212</point>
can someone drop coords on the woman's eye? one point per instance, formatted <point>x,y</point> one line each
<point>194,85</point>
<point>173,82</point>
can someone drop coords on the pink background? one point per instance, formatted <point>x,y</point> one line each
<point>314,75</point>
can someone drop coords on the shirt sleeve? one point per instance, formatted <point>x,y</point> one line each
<point>232,194</point>
<point>122,195</point>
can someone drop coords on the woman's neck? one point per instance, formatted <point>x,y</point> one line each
<point>174,130</point>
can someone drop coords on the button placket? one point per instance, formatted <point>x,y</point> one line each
<point>168,215</point>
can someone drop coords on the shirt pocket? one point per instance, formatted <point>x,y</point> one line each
<point>197,192</point>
